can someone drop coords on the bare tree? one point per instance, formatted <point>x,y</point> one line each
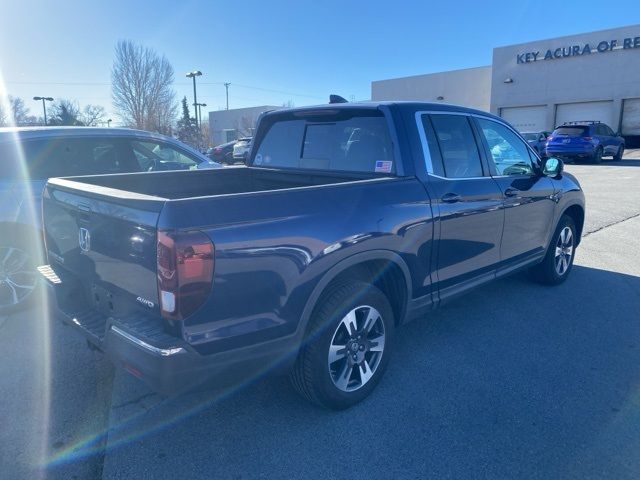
<point>19,111</point>
<point>4,119</point>
<point>205,134</point>
<point>92,115</point>
<point>141,87</point>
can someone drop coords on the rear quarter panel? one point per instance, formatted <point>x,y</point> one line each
<point>273,248</point>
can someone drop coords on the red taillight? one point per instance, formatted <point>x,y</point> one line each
<point>588,139</point>
<point>185,272</point>
<point>217,150</point>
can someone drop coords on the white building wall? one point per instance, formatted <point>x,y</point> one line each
<point>238,122</point>
<point>470,87</point>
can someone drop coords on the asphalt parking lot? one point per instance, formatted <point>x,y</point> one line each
<point>514,380</point>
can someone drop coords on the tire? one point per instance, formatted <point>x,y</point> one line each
<point>19,279</point>
<point>597,156</point>
<point>618,156</point>
<point>558,261</point>
<point>334,380</point>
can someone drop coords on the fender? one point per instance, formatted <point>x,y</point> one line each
<point>340,267</point>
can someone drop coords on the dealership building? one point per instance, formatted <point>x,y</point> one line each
<point>538,85</point>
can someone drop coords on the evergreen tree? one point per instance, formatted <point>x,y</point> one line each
<point>187,130</point>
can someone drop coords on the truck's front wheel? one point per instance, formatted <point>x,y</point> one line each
<point>347,348</point>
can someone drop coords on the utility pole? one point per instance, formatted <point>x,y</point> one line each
<point>226,86</point>
<point>44,106</point>
<point>198,106</point>
<point>194,74</point>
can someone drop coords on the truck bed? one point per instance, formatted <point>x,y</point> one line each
<point>203,183</point>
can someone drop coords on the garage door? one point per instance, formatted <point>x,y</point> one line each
<point>526,119</point>
<point>575,112</point>
<point>631,117</point>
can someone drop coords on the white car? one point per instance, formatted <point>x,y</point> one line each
<point>242,148</point>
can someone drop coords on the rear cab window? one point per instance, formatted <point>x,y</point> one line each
<point>348,140</point>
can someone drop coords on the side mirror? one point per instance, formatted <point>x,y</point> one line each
<point>552,167</point>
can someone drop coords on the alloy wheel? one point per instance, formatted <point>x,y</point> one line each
<point>356,348</point>
<point>564,251</point>
<point>17,278</point>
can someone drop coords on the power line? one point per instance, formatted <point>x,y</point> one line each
<point>278,91</point>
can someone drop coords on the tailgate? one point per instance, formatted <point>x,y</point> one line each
<point>104,239</point>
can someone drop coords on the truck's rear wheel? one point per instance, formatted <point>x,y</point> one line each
<point>348,346</point>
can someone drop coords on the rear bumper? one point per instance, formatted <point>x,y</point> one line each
<point>558,151</point>
<point>166,363</point>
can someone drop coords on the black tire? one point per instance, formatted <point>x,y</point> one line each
<point>618,156</point>
<point>313,376</point>
<point>547,272</point>
<point>597,156</point>
<point>19,257</point>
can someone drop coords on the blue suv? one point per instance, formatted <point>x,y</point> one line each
<point>586,140</point>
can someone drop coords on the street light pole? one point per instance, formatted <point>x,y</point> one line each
<point>109,122</point>
<point>226,86</point>
<point>44,106</point>
<point>194,74</point>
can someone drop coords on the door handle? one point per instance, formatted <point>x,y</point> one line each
<point>450,198</point>
<point>511,192</point>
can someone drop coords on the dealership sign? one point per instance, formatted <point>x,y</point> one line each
<point>579,50</point>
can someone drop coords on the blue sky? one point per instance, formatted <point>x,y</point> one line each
<point>273,51</point>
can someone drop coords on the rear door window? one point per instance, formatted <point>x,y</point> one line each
<point>65,157</point>
<point>55,157</point>
<point>360,143</point>
<point>458,148</point>
<point>11,164</point>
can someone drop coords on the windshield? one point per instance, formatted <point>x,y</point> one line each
<point>531,136</point>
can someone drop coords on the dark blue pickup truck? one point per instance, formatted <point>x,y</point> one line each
<point>347,221</point>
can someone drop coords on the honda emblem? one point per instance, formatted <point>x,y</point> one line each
<point>84,239</point>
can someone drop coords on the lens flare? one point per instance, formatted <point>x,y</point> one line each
<point>20,231</point>
<point>144,423</point>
